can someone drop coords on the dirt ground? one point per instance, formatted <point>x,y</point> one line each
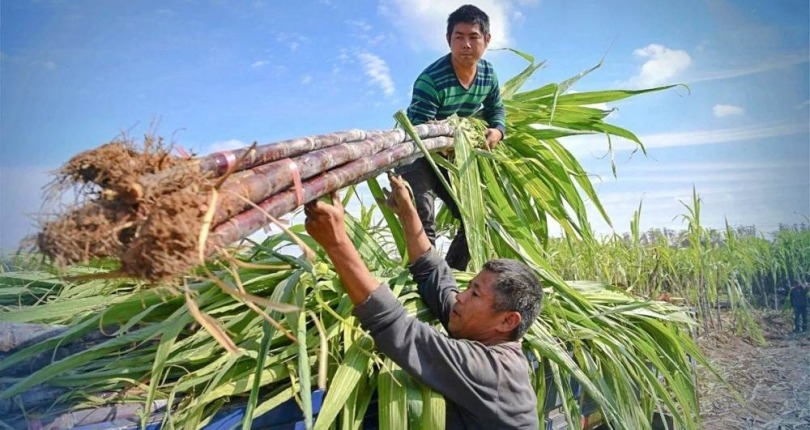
<point>773,381</point>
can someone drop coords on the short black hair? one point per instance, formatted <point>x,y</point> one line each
<point>468,14</point>
<point>517,289</point>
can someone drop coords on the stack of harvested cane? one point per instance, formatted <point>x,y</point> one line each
<point>161,215</point>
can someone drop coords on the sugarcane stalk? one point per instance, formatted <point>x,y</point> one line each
<point>251,220</point>
<point>217,162</point>
<point>259,183</point>
<point>237,160</point>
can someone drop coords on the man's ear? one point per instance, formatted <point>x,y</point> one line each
<point>487,38</point>
<point>448,39</point>
<point>509,322</point>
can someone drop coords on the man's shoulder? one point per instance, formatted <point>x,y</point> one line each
<point>438,67</point>
<point>492,362</point>
<point>505,352</point>
<point>511,348</point>
<point>486,64</point>
<point>428,261</point>
<point>486,68</point>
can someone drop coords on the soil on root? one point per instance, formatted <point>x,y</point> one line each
<point>773,380</point>
<point>113,167</point>
<point>167,243</point>
<point>153,230</point>
<point>90,231</point>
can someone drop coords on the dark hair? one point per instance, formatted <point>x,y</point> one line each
<point>516,289</point>
<point>468,14</point>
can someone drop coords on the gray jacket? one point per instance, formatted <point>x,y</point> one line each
<point>485,387</point>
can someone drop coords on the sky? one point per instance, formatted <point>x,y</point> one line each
<point>212,75</point>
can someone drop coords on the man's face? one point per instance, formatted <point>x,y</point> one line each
<point>473,317</point>
<point>467,43</point>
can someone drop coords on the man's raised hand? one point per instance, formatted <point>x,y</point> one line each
<point>399,198</point>
<point>325,222</point>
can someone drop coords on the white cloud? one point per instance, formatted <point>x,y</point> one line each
<point>424,22</point>
<point>774,63</point>
<point>259,64</point>
<point>306,79</point>
<point>691,167</point>
<point>50,65</point>
<point>378,71</point>
<point>748,200</point>
<point>663,65</point>
<point>223,145</point>
<point>727,110</point>
<point>292,40</point>
<point>363,31</point>
<point>360,25</point>
<point>729,173</point>
<point>591,144</point>
<point>340,62</point>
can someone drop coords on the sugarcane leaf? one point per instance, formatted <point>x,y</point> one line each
<point>344,382</point>
<point>393,398</point>
<point>433,409</point>
<point>510,87</point>
<point>393,223</point>
<point>176,323</point>
<point>280,294</point>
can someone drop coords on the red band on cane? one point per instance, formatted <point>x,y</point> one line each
<point>225,161</point>
<point>297,187</point>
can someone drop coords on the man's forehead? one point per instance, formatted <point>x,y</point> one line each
<point>467,28</point>
<point>485,279</point>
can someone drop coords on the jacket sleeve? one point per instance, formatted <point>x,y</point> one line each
<point>424,101</point>
<point>494,111</point>
<point>465,372</point>
<point>436,284</point>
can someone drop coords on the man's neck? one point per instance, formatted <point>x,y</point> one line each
<point>464,74</point>
<point>495,339</point>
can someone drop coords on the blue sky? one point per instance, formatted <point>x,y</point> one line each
<point>209,75</point>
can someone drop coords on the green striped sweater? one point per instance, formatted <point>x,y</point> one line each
<point>437,94</point>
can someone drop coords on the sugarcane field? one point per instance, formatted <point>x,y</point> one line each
<point>400,214</point>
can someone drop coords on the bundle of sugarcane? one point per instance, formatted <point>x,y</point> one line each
<point>160,214</point>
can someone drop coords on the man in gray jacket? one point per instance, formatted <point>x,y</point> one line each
<point>480,367</point>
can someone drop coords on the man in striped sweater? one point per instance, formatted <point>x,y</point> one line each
<point>460,83</point>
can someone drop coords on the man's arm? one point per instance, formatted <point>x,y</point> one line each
<point>433,276</point>
<point>325,223</point>
<point>494,114</point>
<point>399,201</point>
<point>424,101</point>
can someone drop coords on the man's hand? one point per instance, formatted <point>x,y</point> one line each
<point>325,222</point>
<point>400,203</point>
<point>494,136</point>
<point>399,198</point>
